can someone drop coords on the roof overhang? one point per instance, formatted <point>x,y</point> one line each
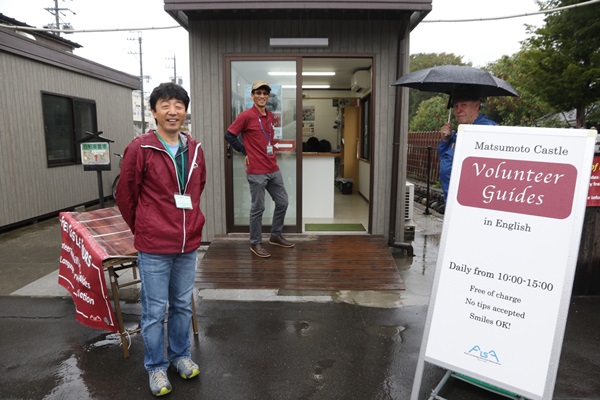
<point>16,44</point>
<point>185,10</point>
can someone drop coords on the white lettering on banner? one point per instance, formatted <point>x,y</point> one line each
<point>500,172</point>
<point>490,194</point>
<point>79,242</point>
<point>84,296</point>
<point>67,264</point>
<point>524,195</point>
<point>81,279</point>
<point>69,250</point>
<point>85,254</point>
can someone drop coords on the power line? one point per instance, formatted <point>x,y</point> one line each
<point>31,28</point>
<point>553,10</point>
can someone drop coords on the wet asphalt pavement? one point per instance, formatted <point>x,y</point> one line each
<point>265,350</point>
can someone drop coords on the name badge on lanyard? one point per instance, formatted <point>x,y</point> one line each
<point>183,201</point>
<point>269,146</point>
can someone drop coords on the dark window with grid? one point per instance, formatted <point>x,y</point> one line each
<point>66,119</point>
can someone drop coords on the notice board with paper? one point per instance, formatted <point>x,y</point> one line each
<point>507,257</point>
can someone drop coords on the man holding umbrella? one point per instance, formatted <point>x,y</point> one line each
<point>466,104</point>
<point>466,87</point>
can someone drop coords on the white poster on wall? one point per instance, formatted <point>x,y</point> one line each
<point>508,254</point>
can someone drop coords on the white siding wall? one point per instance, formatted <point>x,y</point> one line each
<point>211,40</point>
<point>28,187</point>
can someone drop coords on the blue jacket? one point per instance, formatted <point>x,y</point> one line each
<point>446,154</point>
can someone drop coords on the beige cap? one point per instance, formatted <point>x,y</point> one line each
<point>259,84</point>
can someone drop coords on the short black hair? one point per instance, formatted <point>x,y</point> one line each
<point>168,91</point>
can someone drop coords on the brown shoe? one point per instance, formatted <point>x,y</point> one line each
<point>280,241</point>
<point>259,250</point>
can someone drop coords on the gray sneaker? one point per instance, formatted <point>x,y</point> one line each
<point>159,383</point>
<point>186,368</point>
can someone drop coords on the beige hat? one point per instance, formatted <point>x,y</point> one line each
<point>259,84</point>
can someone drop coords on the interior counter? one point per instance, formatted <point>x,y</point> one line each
<point>318,184</point>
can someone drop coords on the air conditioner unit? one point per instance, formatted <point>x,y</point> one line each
<point>409,201</point>
<point>361,81</point>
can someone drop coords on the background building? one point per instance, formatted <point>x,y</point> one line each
<point>49,99</point>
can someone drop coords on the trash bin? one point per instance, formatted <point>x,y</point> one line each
<point>346,185</point>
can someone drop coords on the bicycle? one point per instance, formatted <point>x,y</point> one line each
<point>116,181</point>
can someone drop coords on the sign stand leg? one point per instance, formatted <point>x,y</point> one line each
<point>434,392</point>
<point>100,191</point>
<point>494,389</point>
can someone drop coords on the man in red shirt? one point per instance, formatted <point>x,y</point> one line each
<point>162,177</point>
<point>256,127</point>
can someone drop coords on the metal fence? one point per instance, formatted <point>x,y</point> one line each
<point>422,160</point>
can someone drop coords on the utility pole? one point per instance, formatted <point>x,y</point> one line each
<point>56,12</point>
<point>175,78</point>
<point>142,77</point>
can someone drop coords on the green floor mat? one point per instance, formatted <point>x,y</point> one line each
<point>334,227</point>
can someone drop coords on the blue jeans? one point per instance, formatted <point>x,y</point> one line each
<point>272,183</point>
<point>166,279</point>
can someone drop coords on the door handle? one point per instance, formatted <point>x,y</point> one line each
<point>228,151</point>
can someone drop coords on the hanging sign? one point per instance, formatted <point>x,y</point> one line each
<point>95,156</point>
<point>508,253</point>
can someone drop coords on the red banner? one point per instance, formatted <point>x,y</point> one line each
<point>593,199</point>
<point>88,239</point>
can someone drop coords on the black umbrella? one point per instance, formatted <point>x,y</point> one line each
<point>446,78</point>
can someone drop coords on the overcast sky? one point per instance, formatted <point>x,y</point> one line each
<point>478,42</point>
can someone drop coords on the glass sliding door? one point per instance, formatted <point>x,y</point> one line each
<point>281,76</point>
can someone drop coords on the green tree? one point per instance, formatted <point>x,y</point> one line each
<point>563,57</point>
<point>427,60</point>
<point>524,110</point>
<point>431,114</point>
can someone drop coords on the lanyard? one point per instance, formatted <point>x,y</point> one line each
<point>180,174</point>
<point>263,131</point>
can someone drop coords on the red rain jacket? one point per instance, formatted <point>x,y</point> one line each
<point>145,195</point>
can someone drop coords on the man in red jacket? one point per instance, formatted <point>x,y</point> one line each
<point>255,126</point>
<point>162,177</point>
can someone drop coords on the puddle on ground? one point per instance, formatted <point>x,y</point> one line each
<point>391,332</point>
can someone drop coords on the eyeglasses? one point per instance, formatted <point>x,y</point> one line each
<point>261,93</point>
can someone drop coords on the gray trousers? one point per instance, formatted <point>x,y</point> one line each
<point>272,183</point>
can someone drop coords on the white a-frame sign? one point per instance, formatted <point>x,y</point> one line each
<point>507,257</point>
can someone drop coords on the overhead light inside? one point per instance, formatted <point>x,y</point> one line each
<point>282,73</point>
<point>317,73</point>
<point>306,86</point>
<point>299,42</point>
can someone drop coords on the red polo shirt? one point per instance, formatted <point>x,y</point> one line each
<point>257,133</point>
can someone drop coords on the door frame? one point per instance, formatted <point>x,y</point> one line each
<point>229,201</point>
<point>298,58</point>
